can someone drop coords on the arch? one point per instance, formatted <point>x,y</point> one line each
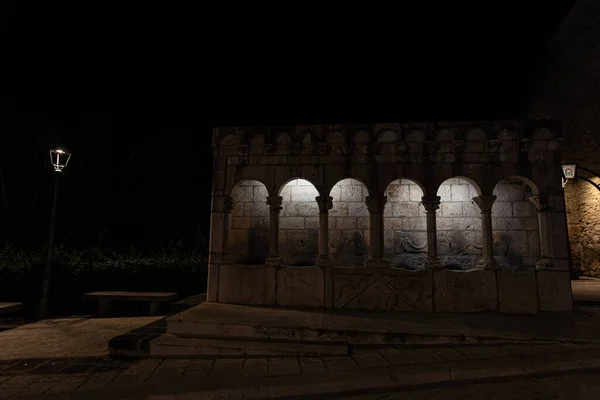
<point>307,138</point>
<point>515,226</point>
<point>471,181</point>
<point>227,139</point>
<point>280,188</point>
<point>299,223</point>
<point>282,138</point>
<point>248,239</point>
<point>532,186</point>
<point>445,134</point>
<point>257,138</point>
<point>415,135</point>
<point>475,135</point>
<point>229,191</point>
<point>335,137</point>
<point>386,136</point>
<point>414,181</point>
<point>361,137</point>
<point>349,223</point>
<point>405,225</point>
<point>459,225</point>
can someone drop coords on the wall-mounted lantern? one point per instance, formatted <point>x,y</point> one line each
<point>569,172</point>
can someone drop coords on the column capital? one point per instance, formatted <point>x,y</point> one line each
<point>274,203</point>
<point>222,204</point>
<point>375,204</point>
<point>540,201</point>
<point>431,203</point>
<point>325,203</point>
<point>485,203</point>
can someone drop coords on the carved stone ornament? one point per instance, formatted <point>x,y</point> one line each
<point>430,147</point>
<point>295,148</point>
<point>540,202</point>
<point>485,203</point>
<point>524,145</point>
<point>243,149</point>
<point>492,146</point>
<point>268,147</point>
<point>346,148</point>
<point>325,203</point>
<point>401,147</point>
<point>431,203</point>
<point>458,146</point>
<point>274,202</point>
<point>322,148</point>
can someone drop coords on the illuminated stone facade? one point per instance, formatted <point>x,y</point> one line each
<point>570,93</point>
<point>425,217</point>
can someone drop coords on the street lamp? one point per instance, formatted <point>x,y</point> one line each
<point>59,159</point>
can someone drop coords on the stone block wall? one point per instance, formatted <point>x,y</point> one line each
<point>404,225</point>
<point>458,225</point>
<point>515,225</point>
<point>583,217</point>
<point>249,226</point>
<point>349,223</point>
<point>299,224</point>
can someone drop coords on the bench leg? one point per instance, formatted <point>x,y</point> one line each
<point>154,308</point>
<point>103,308</point>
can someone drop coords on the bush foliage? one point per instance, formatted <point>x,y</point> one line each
<point>178,268</point>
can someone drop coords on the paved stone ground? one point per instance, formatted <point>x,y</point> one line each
<point>78,375</point>
<point>570,386</point>
<point>65,337</point>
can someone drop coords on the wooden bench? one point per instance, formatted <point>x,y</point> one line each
<point>9,308</point>
<point>154,298</point>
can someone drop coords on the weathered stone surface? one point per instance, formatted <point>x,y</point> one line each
<point>517,292</point>
<point>246,284</point>
<point>465,291</point>
<point>409,291</point>
<point>300,287</point>
<point>554,291</point>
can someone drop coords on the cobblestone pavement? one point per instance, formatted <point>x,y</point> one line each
<point>65,337</point>
<point>68,375</point>
<point>572,386</point>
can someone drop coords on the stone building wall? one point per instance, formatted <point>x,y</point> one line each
<point>569,91</point>
<point>515,225</point>
<point>404,225</point>
<point>458,224</point>
<point>249,226</point>
<point>349,223</point>
<point>299,224</point>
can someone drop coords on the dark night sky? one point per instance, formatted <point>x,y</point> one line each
<point>337,68</point>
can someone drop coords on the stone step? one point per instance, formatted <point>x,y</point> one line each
<point>172,346</point>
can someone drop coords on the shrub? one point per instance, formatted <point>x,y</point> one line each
<point>74,273</point>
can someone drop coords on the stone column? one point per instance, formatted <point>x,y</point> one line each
<point>325,204</point>
<point>541,204</point>
<point>485,204</point>
<point>431,204</point>
<point>219,235</point>
<point>375,206</point>
<point>274,203</point>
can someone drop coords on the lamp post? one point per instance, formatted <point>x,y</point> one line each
<point>59,159</point>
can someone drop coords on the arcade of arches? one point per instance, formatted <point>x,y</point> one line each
<point>412,218</point>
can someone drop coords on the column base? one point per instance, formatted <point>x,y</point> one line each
<point>324,262</point>
<point>273,261</point>
<point>434,263</point>
<point>487,264</point>
<point>377,263</point>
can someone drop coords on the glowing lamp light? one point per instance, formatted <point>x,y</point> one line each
<point>569,172</point>
<point>59,159</point>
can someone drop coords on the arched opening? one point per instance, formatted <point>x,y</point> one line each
<point>299,223</point>
<point>249,226</point>
<point>515,224</point>
<point>404,225</point>
<point>349,223</point>
<point>459,229</point>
